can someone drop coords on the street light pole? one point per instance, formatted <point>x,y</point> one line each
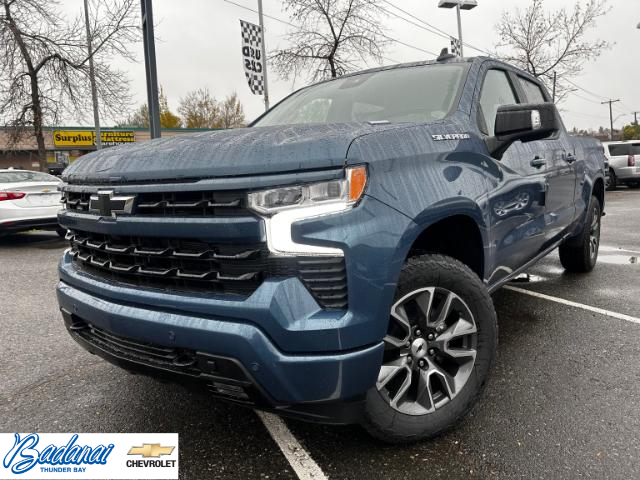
<point>459,30</point>
<point>264,57</point>
<point>151,69</point>
<point>459,5</point>
<point>92,80</point>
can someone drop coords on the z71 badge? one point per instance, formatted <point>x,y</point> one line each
<point>451,136</point>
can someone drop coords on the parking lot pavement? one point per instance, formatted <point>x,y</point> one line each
<point>562,402</point>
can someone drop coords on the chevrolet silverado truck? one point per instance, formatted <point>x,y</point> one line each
<point>333,261</point>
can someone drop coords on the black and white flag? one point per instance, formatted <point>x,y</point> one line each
<point>455,47</point>
<point>252,56</point>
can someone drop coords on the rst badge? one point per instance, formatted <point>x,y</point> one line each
<point>89,455</point>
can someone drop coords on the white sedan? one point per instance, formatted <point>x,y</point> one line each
<point>29,200</point>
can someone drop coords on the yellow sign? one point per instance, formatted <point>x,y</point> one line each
<point>151,450</point>
<point>87,138</point>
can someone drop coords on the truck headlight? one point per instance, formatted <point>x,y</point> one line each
<point>281,207</point>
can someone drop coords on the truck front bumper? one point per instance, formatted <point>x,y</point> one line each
<point>233,358</point>
<point>277,348</point>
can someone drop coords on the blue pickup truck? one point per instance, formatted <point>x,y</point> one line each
<point>334,261</point>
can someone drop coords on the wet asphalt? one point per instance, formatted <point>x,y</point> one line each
<point>563,402</point>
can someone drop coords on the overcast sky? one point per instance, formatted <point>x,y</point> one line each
<point>199,46</point>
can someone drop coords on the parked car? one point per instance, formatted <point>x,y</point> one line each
<point>623,169</point>
<point>29,200</point>
<point>334,261</point>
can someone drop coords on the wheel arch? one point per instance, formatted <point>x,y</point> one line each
<point>460,233</point>
<point>598,191</point>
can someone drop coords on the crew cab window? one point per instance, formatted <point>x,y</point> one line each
<point>532,91</point>
<point>496,91</point>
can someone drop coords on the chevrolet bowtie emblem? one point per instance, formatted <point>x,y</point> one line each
<point>107,205</point>
<point>151,450</point>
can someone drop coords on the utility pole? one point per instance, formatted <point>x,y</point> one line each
<point>610,102</point>
<point>264,57</point>
<point>92,80</point>
<point>555,79</point>
<point>635,117</point>
<point>150,68</point>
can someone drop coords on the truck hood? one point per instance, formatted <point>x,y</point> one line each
<point>246,151</point>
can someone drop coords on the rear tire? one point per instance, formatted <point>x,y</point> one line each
<point>439,348</point>
<point>580,254</point>
<point>613,180</point>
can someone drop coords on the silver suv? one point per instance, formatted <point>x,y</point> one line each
<point>623,169</point>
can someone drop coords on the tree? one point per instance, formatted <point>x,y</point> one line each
<point>231,113</point>
<point>631,132</point>
<point>199,109</point>
<point>168,119</point>
<point>333,36</point>
<point>138,119</point>
<point>543,42</point>
<point>44,66</point>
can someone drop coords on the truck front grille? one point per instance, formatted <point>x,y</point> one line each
<point>184,203</point>
<point>193,265</point>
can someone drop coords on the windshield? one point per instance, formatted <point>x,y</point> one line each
<point>26,176</point>
<point>411,94</point>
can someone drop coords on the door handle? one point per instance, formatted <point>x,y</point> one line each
<point>570,158</point>
<point>538,162</point>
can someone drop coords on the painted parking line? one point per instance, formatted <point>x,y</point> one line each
<point>606,248</point>
<point>294,452</point>
<point>608,313</point>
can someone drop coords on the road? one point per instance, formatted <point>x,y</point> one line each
<point>563,401</point>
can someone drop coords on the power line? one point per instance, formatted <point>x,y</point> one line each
<point>600,97</point>
<point>295,26</point>
<point>432,28</point>
<point>256,11</point>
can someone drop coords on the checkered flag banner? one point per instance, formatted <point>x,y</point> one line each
<point>455,47</point>
<point>252,56</point>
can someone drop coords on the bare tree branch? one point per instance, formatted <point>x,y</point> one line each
<point>543,42</point>
<point>333,38</point>
<point>44,72</point>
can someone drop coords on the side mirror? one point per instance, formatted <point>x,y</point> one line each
<point>526,123</point>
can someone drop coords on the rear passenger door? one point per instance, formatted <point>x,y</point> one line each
<point>561,162</point>
<point>517,194</point>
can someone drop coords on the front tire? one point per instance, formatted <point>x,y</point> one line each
<point>580,254</point>
<point>439,350</point>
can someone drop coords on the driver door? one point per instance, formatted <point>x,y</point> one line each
<point>517,195</point>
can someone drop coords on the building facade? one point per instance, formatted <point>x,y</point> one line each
<point>66,144</point>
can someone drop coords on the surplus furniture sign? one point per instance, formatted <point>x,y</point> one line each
<point>87,138</point>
